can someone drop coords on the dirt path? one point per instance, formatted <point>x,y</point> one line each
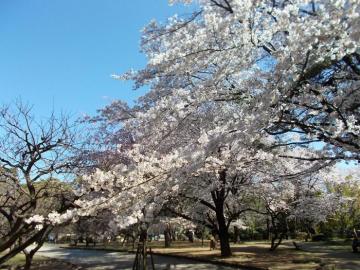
<point>93,259</point>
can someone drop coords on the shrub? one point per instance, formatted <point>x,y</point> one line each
<point>319,237</point>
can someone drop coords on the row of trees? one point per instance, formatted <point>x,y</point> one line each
<point>248,99</point>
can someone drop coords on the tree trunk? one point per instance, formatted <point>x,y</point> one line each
<point>87,241</point>
<point>236,235</point>
<point>279,230</point>
<point>16,232</point>
<point>21,247</point>
<point>274,243</point>
<point>219,197</point>
<point>190,236</point>
<point>133,239</point>
<point>173,234</point>
<point>143,239</point>
<point>224,240</point>
<point>167,236</point>
<point>30,254</point>
<point>268,231</point>
<point>123,242</point>
<point>202,237</point>
<point>28,260</point>
<point>223,231</point>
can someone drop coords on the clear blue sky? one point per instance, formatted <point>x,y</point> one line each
<point>60,53</point>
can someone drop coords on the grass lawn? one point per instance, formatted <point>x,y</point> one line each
<point>39,263</point>
<point>313,255</point>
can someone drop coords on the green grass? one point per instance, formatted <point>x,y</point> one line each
<point>19,260</point>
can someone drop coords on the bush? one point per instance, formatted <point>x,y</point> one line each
<point>326,230</point>
<point>300,236</point>
<point>246,235</point>
<point>319,237</point>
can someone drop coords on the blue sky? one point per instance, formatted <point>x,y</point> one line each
<point>60,53</point>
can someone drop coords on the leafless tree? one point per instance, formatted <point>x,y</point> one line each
<point>32,154</point>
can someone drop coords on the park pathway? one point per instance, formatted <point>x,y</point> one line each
<point>96,260</point>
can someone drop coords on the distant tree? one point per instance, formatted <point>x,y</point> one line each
<point>346,218</point>
<point>99,228</point>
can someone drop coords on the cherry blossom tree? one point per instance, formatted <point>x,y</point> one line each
<point>344,184</point>
<point>171,227</point>
<point>104,134</point>
<point>297,61</point>
<point>99,228</point>
<point>297,200</point>
<point>229,86</point>
<point>202,170</point>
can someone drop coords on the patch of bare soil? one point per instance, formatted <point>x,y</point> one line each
<point>46,264</point>
<point>286,257</point>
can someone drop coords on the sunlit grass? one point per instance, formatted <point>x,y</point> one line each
<point>19,260</point>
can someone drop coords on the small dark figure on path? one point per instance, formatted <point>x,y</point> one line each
<point>212,244</point>
<point>355,242</point>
